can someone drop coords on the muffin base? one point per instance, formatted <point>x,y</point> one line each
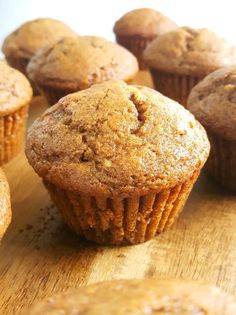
<point>53,95</point>
<point>121,221</point>
<point>221,164</point>
<point>21,64</point>
<point>12,133</point>
<point>174,86</point>
<point>136,44</point>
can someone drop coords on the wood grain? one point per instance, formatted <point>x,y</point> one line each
<point>40,256</point>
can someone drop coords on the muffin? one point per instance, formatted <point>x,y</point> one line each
<point>5,205</point>
<point>138,297</point>
<point>15,95</point>
<point>119,161</point>
<point>74,64</point>
<point>178,60</point>
<point>20,46</point>
<point>137,28</point>
<point>213,102</point>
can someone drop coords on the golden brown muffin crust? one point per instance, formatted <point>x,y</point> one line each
<point>79,62</point>
<point>190,52</point>
<point>5,206</point>
<point>15,90</point>
<point>139,297</point>
<point>143,22</point>
<point>116,139</point>
<point>35,34</point>
<point>213,102</point>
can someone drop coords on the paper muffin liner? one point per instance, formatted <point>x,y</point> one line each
<point>221,164</point>
<point>21,64</point>
<point>174,86</point>
<point>121,221</point>
<point>136,44</point>
<point>12,134</point>
<point>53,94</point>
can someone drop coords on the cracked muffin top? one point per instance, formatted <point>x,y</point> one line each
<point>33,35</point>
<point>78,62</point>
<point>190,51</point>
<point>15,90</point>
<point>5,206</point>
<point>116,139</point>
<point>213,102</point>
<point>143,22</point>
<point>138,297</point>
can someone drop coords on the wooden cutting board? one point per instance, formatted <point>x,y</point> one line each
<point>39,256</point>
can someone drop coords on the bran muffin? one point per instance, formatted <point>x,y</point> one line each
<point>138,297</point>
<point>20,46</point>
<point>15,95</point>
<point>119,161</point>
<point>5,205</point>
<point>74,64</point>
<point>213,102</point>
<point>178,60</point>
<point>137,28</point>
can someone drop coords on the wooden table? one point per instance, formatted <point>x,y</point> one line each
<point>40,256</point>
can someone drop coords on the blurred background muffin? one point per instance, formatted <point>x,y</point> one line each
<point>138,297</point>
<point>75,63</point>
<point>22,44</point>
<point>137,28</point>
<point>119,161</point>
<point>213,102</point>
<point>178,60</point>
<point>15,95</point>
<point>5,204</point>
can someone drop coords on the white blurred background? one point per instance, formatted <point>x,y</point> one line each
<point>97,17</point>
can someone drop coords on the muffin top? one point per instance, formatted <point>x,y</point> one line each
<point>115,139</point>
<point>213,102</point>
<point>138,297</point>
<point>79,62</point>
<point>5,206</point>
<point>190,51</point>
<point>32,35</point>
<point>15,90</point>
<point>143,22</point>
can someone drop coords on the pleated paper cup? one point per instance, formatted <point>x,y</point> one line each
<point>136,44</point>
<point>116,221</point>
<point>174,86</point>
<point>54,94</point>
<point>221,164</point>
<point>12,133</point>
